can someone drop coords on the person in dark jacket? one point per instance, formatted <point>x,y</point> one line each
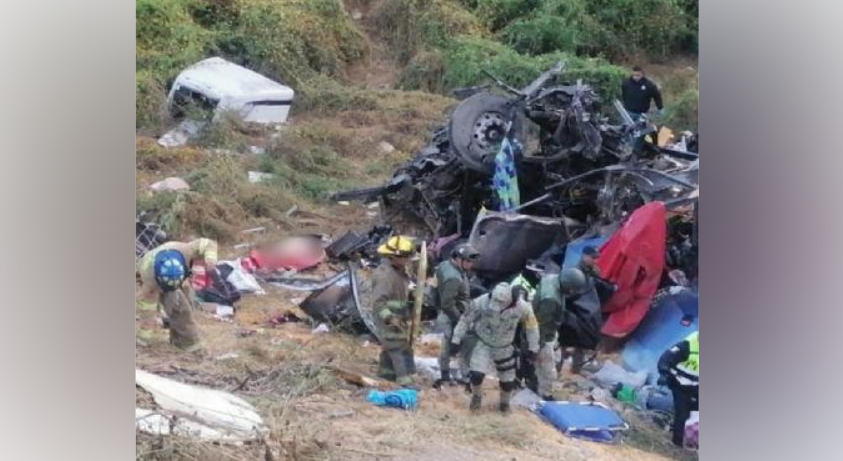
<point>679,369</point>
<point>638,92</point>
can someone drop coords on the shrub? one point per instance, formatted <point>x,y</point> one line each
<point>466,61</point>
<point>654,26</point>
<point>683,113</point>
<point>496,14</point>
<point>542,34</point>
<point>411,26</point>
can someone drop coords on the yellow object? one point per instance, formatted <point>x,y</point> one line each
<point>398,246</point>
<point>665,136</point>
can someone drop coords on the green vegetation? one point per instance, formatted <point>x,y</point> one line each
<point>289,41</point>
<point>312,45</point>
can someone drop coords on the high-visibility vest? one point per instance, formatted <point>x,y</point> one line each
<point>691,365</point>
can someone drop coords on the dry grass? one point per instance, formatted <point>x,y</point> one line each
<point>313,415</point>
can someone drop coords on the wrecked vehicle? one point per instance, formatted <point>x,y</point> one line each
<point>211,87</point>
<point>585,169</point>
<point>581,177</point>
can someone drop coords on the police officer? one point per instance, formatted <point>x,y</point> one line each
<point>638,92</point>
<point>549,307</point>
<point>494,319</point>
<point>391,305</point>
<point>679,369</point>
<point>453,298</point>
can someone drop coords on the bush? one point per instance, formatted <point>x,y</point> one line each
<point>542,34</point>
<point>291,40</point>
<point>150,101</point>
<point>496,14</point>
<point>412,26</point>
<point>683,113</point>
<point>657,27</point>
<point>166,38</point>
<point>466,61</point>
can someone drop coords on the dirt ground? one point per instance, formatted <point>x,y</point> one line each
<point>286,372</point>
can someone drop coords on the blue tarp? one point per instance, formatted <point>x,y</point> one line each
<point>585,420</point>
<point>661,329</point>
<point>573,251</point>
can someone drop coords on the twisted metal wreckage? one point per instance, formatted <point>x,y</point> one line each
<point>583,181</point>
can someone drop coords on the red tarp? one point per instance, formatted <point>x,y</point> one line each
<point>634,260</point>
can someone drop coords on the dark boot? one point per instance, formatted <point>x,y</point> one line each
<point>476,399</point>
<point>445,378</point>
<point>504,405</point>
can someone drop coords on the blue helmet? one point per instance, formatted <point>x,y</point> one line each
<point>170,269</point>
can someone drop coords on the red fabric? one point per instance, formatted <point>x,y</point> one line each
<point>633,258</point>
<point>272,261</point>
<point>199,278</point>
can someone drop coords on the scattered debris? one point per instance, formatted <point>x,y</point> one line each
<point>286,317</point>
<point>182,133</point>
<point>525,398</point>
<point>611,374</point>
<point>228,356</point>
<point>358,379</point>
<point>204,413</point>
<point>148,235</point>
<point>225,313</point>
<point>256,150</point>
<point>257,176</point>
<point>322,328</point>
<point>356,15</point>
<point>386,147</point>
<point>170,184</point>
<point>405,399</point>
<point>341,414</point>
<point>292,210</point>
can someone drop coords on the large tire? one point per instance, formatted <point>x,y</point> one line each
<point>476,130</point>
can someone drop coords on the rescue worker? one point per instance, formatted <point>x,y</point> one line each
<point>392,309</point>
<point>638,92</point>
<point>549,307</point>
<point>494,319</point>
<point>453,299</point>
<point>588,266</point>
<point>679,369</point>
<point>164,272</point>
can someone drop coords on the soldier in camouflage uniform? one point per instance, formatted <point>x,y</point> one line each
<point>549,306</point>
<point>453,300</point>
<point>391,306</point>
<point>494,319</point>
<point>588,266</point>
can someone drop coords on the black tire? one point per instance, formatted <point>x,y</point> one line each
<point>463,130</point>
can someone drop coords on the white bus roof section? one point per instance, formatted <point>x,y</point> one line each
<point>220,79</point>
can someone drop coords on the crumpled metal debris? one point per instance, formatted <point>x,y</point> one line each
<point>586,169</point>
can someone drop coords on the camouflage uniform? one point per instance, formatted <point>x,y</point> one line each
<point>392,320</point>
<point>549,306</point>
<point>578,355</point>
<point>494,321</point>
<point>453,294</point>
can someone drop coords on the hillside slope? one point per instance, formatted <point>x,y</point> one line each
<point>369,75</point>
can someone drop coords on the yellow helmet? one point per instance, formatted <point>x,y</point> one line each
<point>398,246</point>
